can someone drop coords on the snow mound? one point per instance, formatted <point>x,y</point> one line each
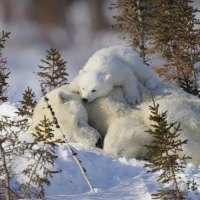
<point>107,174</point>
<point>112,178</point>
<point>7,109</point>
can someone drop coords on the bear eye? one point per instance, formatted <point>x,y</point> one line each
<point>82,88</point>
<point>93,90</point>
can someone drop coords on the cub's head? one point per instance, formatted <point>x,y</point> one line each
<point>94,84</point>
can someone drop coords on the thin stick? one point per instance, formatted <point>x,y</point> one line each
<point>72,152</point>
<point>7,175</point>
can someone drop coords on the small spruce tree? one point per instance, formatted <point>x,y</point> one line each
<point>189,86</point>
<point>39,154</point>
<point>168,28</point>
<point>3,37</point>
<point>27,104</point>
<point>53,73</point>
<point>4,73</point>
<point>42,157</point>
<point>133,19</point>
<point>10,148</point>
<point>163,154</point>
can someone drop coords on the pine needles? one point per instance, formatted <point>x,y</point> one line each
<point>4,73</point>
<point>28,103</point>
<point>164,154</point>
<point>169,29</point>
<point>42,151</point>
<point>52,73</point>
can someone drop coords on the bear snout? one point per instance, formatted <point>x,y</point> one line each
<point>85,100</point>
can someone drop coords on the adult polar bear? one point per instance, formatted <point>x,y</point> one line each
<point>124,127</point>
<point>115,66</point>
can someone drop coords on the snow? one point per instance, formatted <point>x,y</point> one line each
<point>109,176</point>
<point>6,109</point>
<point>112,178</point>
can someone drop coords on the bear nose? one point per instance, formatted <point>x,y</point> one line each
<point>85,100</point>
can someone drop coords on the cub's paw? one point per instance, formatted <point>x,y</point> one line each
<point>152,83</point>
<point>132,100</point>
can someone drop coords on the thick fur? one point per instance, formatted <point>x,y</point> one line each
<point>120,125</point>
<point>115,66</point>
<point>124,127</point>
<point>71,115</point>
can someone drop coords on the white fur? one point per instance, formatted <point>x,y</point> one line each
<point>115,66</point>
<point>71,115</point>
<point>120,124</point>
<point>182,107</point>
<point>124,127</point>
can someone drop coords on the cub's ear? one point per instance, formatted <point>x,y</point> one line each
<point>107,77</point>
<point>64,97</point>
<point>81,71</point>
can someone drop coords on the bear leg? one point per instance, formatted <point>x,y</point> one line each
<point>131,90</point>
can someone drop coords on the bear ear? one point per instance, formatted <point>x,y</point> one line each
<point>108,77</point>
<point>81,71</point>
<point>64,97</point>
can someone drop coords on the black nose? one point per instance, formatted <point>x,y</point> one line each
<point>85,100</point>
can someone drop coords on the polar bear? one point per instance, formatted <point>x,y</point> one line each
<point>124,127</point>
<point>120,125</point>
<point>115,66</point>
<point>110,116</point>
<point>71,115</point>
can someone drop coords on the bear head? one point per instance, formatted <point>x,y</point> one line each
<point>94,84</point>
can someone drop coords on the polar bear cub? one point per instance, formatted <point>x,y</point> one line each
<point>115,66</point>
<point>71,115</point>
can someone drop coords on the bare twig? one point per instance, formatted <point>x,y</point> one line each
<point>72,152</point>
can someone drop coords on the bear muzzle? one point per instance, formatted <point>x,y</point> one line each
<point>85,100</point>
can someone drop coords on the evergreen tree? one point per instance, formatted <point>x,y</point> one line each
<point>4,73</point>
<point>39,154</point>
<point>175,37</point>
<point>168,28</point>
<point>43,158</point>
<point>134,21</point>
<point>10,148</point>
<point>53,73</point>
<point>189,86</point>
<point>27,104</point>
<point>3,36</point>
<point>163,154</point>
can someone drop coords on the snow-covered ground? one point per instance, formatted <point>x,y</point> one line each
<point>119,179</point>
<point>112,178</point>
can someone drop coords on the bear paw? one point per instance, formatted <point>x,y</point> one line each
<point>152,83</point>
<point>132,100</point>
